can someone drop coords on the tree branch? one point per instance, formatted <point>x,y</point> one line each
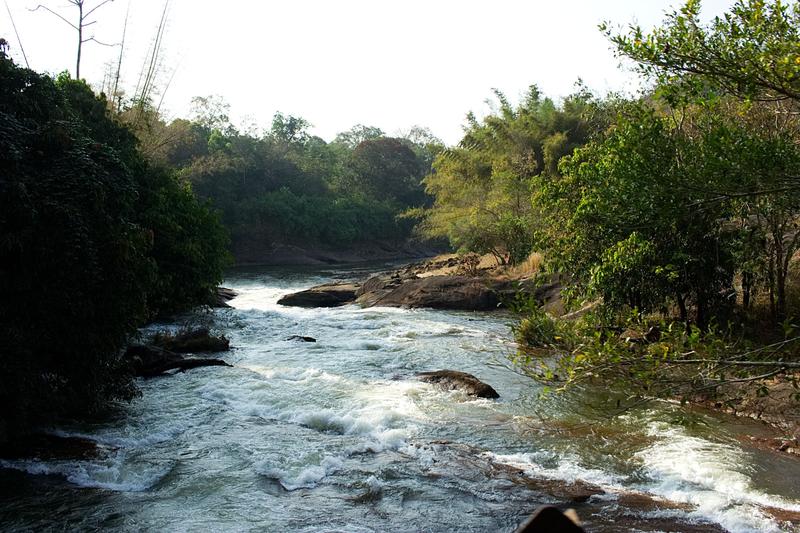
<point>95,8</point>
<point>99,42</point>
<point>54,13</point>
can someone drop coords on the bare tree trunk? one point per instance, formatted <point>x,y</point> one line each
<point>80,39</point>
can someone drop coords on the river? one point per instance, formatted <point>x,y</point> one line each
<point>338,435</point>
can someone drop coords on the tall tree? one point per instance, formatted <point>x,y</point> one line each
<point>83,21</point>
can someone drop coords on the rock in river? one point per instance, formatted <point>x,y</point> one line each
<point>453,380</point>
<point>150,361</point>
<point>327,295</point>
<point>435,292</point>
<point>196,340</point>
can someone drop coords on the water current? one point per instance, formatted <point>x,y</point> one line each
<point>338,435</point>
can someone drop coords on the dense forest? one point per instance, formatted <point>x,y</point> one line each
<point>95,240</point>
<point>286,186</point>
<point>675,211</point>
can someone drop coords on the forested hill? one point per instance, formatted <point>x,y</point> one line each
<point>286,188</point>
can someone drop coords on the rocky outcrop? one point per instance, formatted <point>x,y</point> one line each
<point>192,341</point>
<point>150,361</point>
<point>327,295</point>
<point>453,380</point>
<point>418,286</point>
<point>435,292</point>
<point>221,297</point>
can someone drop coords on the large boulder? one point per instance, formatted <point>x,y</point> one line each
<point>327,295</point>
<point>436,292</point>
<point>453,380</point>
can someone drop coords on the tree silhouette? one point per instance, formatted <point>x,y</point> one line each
<point>84,21</point>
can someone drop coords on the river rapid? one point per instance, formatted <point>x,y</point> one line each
<point>338,435</point>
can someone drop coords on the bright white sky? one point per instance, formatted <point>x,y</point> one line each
<point>344,62</point>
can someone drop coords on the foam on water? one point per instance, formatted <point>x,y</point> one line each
<point>301,476</point>
<point>319,416</point>
<point>712,476</point>
<point>116,473</point>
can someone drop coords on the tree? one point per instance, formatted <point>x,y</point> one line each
<point>358,134</point>
<point>750,52</point>
<point>288,129</point>
<point>84,21</point>
<point>482,188</point>
<point>93,242</point>
<point>386,168</point>
<point>627,220</point>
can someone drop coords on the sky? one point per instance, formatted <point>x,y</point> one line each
<point>338,63</point>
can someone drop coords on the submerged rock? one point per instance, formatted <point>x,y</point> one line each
<point>301,338</point>
<point>453,380</point>
<point>327,295</point>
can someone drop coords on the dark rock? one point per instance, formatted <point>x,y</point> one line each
<point>548,519</point>
<point>46,447</point>
<point>436,292</point>
<point>301,338</point>
<point>196,340</point>
<point>453,380</point>
<point>222,296</point>
<point>328,295</point>
<point>144,357</point>
<point>150,361</point>
<point>377,287</point>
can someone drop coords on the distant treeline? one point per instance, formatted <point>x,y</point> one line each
<point>284,185</point>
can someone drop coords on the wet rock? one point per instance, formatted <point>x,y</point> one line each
<point>151,361</point>
<point>143,357</point>
<point>221,297</point>
<point>453,380</point>
<point>46,447</point>
<point>196,340</point>
<point>301,338</point>
<point>328,295</point>
<point>548,519</point>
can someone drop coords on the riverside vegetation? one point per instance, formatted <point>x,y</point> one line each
<point>674,215</point>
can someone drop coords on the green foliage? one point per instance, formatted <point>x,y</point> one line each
<point>189,243</point>
<point>753,51</point>
<point>482,188</point>
<point>685,193</point>
<point>92,243</point>
<point>73,265</point>
<point>293,188</point>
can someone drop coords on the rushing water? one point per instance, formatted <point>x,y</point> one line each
<point>337,435</point>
